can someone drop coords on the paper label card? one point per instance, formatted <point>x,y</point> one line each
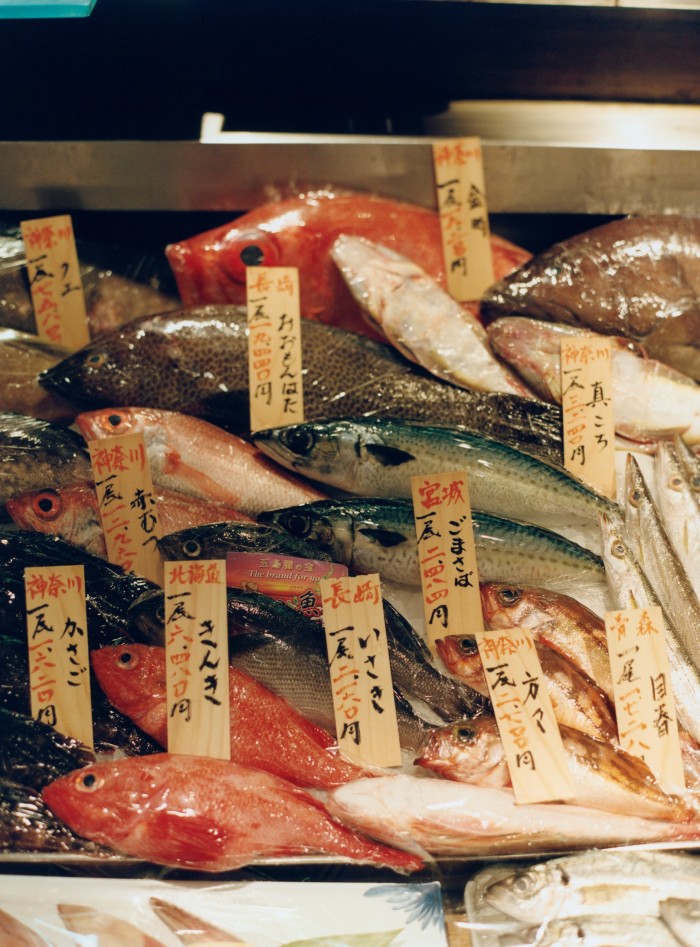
<point>529,730</point>
<point>59,658</point>
<point>274,347</point>
<point>196,658</point>
<point>447,556</point>
<point>127,503</point>
<point>54,281</point>
<point>647,725</point>
<point>358,660</point>
<point>464,217</point>
<point>587,407</point>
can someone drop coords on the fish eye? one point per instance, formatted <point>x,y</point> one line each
<point>464,733</point>
<point>89,782</point>
<point>191,548</point>
<point>299,439</point>
<point>47,505</point>
<point>467,646</point>
<point>508,595</point>
<point>676,482</point>
<point>298,524</point>
<point>521,883</point>
<point>114,420</point>
<point>127,660</point>
<point>250,248</point>
<point>695,482</point>
<point>635,497</point>
<point>618,549</point>
<point>96,360</point>
<point>160,614</point>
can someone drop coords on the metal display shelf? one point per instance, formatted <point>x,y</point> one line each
<point>246,169</point>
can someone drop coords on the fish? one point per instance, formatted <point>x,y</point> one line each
<point>682,917</point>
<point>635,277</point>
<point>370,939</point>
<point>72,512</point>
<point>448,818</point>
<point>286,651</point>
<point>195,361</point>
<point>604,776</point>
<point>679,508</point>
<point>34,453</point>
<point>591,930</point>
<point>577,700</point>
<point>378,534</point>
<point>630,588</point>
<point>189,928</point>
<point>14,933</point>
<point>105,930</point>
<point>690,462</point>
<point>33,754</point>
<point>176,810</point>
<point>217,540</point>
<point>651,399</point>
<point>299,231</point>
<point>27,825</point>
<point>22,358</point>
<point>377,457</point>
<point>191,456</point>
<point>266,731</point>
<point>419,318</point>
<point>595,882</point>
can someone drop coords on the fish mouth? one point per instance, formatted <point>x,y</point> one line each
<point>56,381</point>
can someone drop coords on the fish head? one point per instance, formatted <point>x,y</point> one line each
<point>147,613</point>
<point>322,525</point>
<point>505,605</point>
<point>465,746</point>
<point>116,422</point>
<point>105,801</point>
<point>42,510</point>
<point>460,655</point>
<point>132,677</point>
<point>530,894</point>
<point>328,451</point>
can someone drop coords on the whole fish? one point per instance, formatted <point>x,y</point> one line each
<point>105,930</point>
<point>266,731</point>
<point>379,535</point>
<point>682,917</point>
<point>286,651</point>
<point>33,753</point>
<point>194,457</point>
<point>196,361</point>
<point>189,928</point>
<point>421,319</point>
<point>577,700</point>
<point>176,810</point>
<point>35,453</point>
<point>679,507</point>
<point>651,400</point>
<point>375,458</point>
<point>592,930</point>
<point>22,358</point>
<point>27,825</point>
<point>13,933</point>
<point>299,231</point>
<point>595,882</point>
<point>216,540</point>
<point>604,776</point>
<point>448,818</point>
<point>73,513</point>
<point>637,277</point>
<point>630,588</point>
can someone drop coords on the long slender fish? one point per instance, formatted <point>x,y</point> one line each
<point>196,361</point>
<point>106,930</point>
<point>591,930</point>
<point>14,933</point>
<point>679,507</point>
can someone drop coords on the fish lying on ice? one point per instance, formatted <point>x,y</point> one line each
<point>420,318</point>
<point>105,930</point>
<point>638,277</point>
<point>299,231</point>
<point>196,361</point>
<point>176,810</point>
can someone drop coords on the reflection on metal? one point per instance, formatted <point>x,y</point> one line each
<point>625,4</point>
<point>188,176</point>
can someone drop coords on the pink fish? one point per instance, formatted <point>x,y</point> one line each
<point>205,814</point>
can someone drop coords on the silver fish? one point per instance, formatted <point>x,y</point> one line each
<point>591,930</point>
<point>679,506</point>
<point>682,917</point>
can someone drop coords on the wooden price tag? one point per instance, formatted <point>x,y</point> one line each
<point>196,658</point>
<point>589,425</point>
<point>446,553</point>
<point>127,504</point>
<point>532,742</point>
<point>644,706</point>
<point>59,659</point>
<point>464,217</point>
<point>54,281</point>
<point>274,347</point>
<point>358,659</point>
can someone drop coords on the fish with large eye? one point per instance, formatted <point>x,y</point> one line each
<point>299,439</point>
<point>509,596</point>
<point>249,248</point>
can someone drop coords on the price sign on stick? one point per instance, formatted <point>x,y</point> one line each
<point>196,658</point>
<point>274,347</point>
<point>54,281</point>
<point>59,661</point>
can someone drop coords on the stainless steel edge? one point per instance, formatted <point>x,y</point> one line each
<point>203,176</point>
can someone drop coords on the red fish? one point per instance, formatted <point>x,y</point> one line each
<point>266,731</point>
<point>299,231</point>
<point>206,814</point>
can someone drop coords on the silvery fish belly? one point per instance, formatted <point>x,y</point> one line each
<point>679,507</point>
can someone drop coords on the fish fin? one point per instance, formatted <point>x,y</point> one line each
<point>196,482</point>
<point>383,537</point>
<point>189,841</point>
<point>389,456</point>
